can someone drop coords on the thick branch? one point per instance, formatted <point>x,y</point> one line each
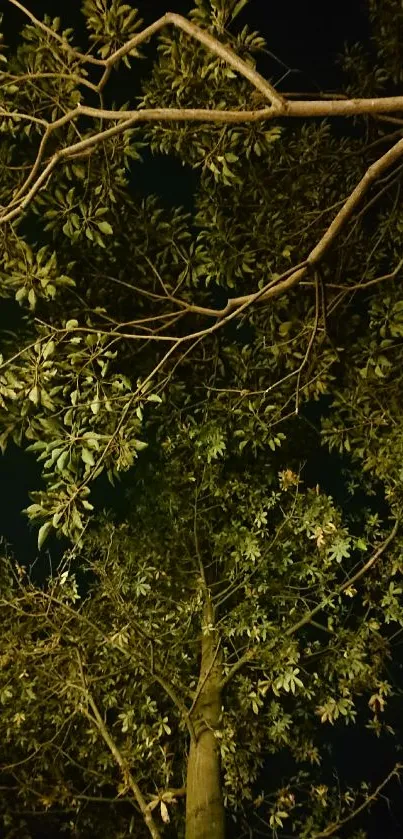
<point>280,106</point>
<point>275,287</point>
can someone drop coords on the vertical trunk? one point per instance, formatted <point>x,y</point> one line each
<point>205,817</point>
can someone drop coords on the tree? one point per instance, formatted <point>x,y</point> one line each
<point>191,638</point>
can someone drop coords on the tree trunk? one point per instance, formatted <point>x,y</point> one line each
<point>205,816</point>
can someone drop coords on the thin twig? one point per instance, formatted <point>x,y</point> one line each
<point>328,831</point>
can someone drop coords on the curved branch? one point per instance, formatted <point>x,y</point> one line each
<point>331,828</point>
<point>279,106</point>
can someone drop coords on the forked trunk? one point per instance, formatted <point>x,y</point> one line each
<point>205,816</point>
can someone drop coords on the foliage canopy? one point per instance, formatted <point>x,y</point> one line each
<point>240,602</point>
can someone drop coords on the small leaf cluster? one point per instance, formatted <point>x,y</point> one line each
<point>110,26</point>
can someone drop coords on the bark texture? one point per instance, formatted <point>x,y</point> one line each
<point>205,816</point>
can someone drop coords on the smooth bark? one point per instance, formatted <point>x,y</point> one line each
<point>205,816</point>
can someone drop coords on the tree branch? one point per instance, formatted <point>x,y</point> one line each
<point>169,690</point>
<point>328,831</point>
<point>97,720</point>
<point>253,652</point>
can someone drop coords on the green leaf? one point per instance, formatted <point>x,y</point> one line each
<point>87,505</point>
<point>105,227</point>
<point>62,460</point>
<point>32,298</point>
<point>43,533</point>
<point>34,510</point>
<point>95,406</point>
<point>87,456</point>
<point>21,294</point>
<point>238,8</point>
<point>34,395</point>
<point>48,349</point>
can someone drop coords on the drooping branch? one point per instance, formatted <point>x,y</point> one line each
<point>97,720</point>
<point>368,800</point>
